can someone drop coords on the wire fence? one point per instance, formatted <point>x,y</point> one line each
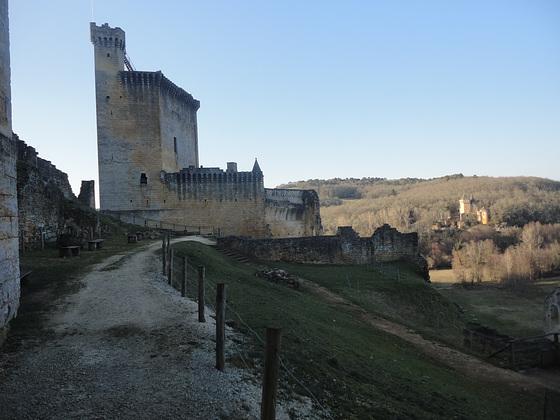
<point>192,272</point>
<point>183,228</point>
<point>389,271</point>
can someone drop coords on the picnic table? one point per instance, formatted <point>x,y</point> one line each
<point>69,251</point>
<point>95,244</point>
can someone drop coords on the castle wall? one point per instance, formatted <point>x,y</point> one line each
<point>9,256</point>
<point>346,248</point>
<point>44,197</point>
<point>292,213</point>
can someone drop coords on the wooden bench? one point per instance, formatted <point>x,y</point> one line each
<point>95,244</point>
<point>69,251</point>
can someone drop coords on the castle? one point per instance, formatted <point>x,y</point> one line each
<point>469,211</point>
<point>149,170</point>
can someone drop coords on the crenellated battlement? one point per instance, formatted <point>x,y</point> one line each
<point>190,177</point>
<point>157,79</point>
<point>105,36</point>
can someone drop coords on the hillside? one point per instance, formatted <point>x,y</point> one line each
<point>365,341</point>
<point>333,341</point>
<point>414,204</point>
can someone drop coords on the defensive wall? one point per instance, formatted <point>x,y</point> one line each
<point>345,248</point>
<point>211,200</point>
<point>87,194</point>
<point>9,256</point>
<point>47,207</point>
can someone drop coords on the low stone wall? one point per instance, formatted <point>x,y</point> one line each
<point>345,248</point>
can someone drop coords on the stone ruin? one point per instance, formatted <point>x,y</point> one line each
<point>345,248</point>
<point>551,322</point>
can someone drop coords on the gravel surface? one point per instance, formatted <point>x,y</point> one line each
<point>127,346</point>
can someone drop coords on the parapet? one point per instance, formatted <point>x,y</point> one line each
<point>106,36</point>
<point>157,79</point>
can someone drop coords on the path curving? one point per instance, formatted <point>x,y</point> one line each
<point>454,359</point>
<point>126,346</point>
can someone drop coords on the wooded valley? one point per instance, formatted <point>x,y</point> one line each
<point>521,242</point>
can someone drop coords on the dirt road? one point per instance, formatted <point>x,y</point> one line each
<point>126,346</point>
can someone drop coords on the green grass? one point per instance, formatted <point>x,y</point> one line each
<point>518,312</point>
<point>356,371</point>
<point>53,278</point>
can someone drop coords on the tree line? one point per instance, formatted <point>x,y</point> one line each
<point>518,206</point>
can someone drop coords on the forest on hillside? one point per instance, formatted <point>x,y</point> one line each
<point>516,205</point>
<point>413,204</point>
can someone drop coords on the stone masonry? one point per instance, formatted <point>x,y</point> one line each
<point>149,171</point>
<point>345,248</point>
<point>9,256</point>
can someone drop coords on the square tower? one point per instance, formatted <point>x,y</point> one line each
<point>145,125</point>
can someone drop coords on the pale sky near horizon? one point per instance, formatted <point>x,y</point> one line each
<point>313,89</point>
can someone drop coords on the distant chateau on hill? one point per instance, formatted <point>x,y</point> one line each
<point>149,171</point>
<point>470,212</point>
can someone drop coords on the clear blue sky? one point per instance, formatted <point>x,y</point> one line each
<point>313,89</point>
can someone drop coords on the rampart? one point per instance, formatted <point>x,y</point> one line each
<point>47,206</point>
<point>345,248</point>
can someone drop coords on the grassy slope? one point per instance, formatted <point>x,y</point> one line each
<point>517,313</point>
<point>356,371</point>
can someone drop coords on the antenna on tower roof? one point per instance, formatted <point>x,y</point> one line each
<point>92,18</point>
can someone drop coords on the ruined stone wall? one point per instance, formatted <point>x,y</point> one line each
<point>42,193</point>
<point>292,213</point>
<point>9,257</point>
<point>87,194</point>
<point>47,205</point>
<point>347,248</point>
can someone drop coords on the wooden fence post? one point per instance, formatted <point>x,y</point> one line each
<point>220,326</point>
<point>270,378</point>
<point>170,277</point>
<point>184,278</point>
<point>164,257</point>
<point>201,294</point>
<point>512,356</point>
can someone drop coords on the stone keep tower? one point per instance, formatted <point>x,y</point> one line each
<point>145,125</point>
<point>149,171</point>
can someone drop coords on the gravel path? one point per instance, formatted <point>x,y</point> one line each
<point>127,346</point>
